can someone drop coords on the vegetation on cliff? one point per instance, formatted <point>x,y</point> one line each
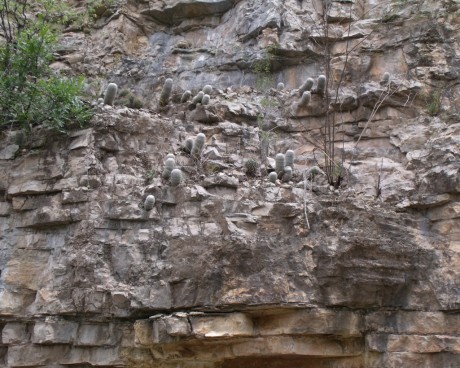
<point>31,93</point>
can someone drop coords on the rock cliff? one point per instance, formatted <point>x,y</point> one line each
<point>229,269</point>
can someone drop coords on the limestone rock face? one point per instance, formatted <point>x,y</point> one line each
<point>229,269</point>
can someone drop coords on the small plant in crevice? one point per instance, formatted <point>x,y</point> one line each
<point>129,99</point>
<point>150,175</point>
<point>433,103</point>
<point>251,165</point>
<point>273,176</point>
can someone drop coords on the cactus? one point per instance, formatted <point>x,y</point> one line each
<point>186,96</point>
<point>110,94</point>
<point>272,177</point>
<point>321,87</point>
<point>198,145</point>
<point>280,86</point>
<point>251,166</point>
<point>198,98</point>
<point>386,78</point>
<point>307,86</point>
<point>205,100</point>
<point>188,145</point>
<point>170,155</point>
<point>100,101</point>
<point>287,176</point>
<point>279,163</point>
<point>207,89</point>
<point>170,164</point>
<point>305,100</point>
<point>176,177</point>
<point>166,92</point>
<point>289,158</point>
<point>149,202</point>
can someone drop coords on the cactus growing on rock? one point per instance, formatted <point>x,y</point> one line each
<point>176,177</point>
<point>198,98</point>
<point>149,202</point>
<point>321,87</point>
<point>207,89</point>
<point>186,96</point>
<point>307,86</point>
<point>279,163</point>
<point>280,86</point>
<point>166,92</point>
<point>188,145</point>
<point>170,164</point>
<point>305,100</point>
<point>198,145</point>
<point>289,158</point>
<point>287,175</point>
<point>110,94</point>
<point>205,100</point>
<point>272,177</point>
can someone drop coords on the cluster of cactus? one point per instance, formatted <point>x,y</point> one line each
<point>110,94</point>
<point>204,96</point>
<point>166,92</point>
<point>308,87</point>
<point>149,202</point>
<point>171,172</point>
<point>284,165</point>
<point>170,165</point>
<point>251,166</point>
<point>195,146</point>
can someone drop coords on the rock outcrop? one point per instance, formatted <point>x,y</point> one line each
<point>229,269</point>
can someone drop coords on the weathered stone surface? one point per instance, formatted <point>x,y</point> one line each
<point>54,331</point>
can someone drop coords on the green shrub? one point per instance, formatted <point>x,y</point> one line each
<point>30,92</point>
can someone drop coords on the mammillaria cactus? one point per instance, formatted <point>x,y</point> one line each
<point>280,86</point>
<point>289,158</point>
<point>207,89</point>
<point>176,177</point>
<point>170,155</point>
<point>307,86</point>
<point>166,92</point>
<point>305,100</point>
<point>198,98</point>
<point>321,84</point>
<point>110,94</point>
<point>272,177</point>
<point>188,145</point>
<point>198,144</point>
<point>205,100</point>
<point>251,166</point>
<point>287,176</point>
<point>149,202</point>
<point>186,96</point>
<point>170,164</point>
<point>279,163</point>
